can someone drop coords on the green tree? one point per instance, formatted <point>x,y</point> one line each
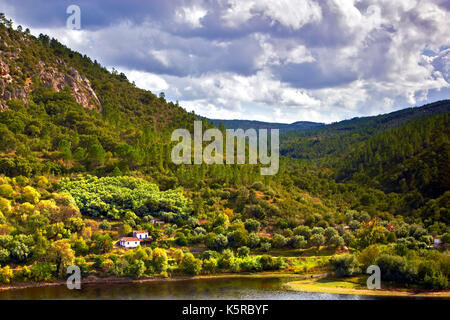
<point>344,265</point>
<point>61,254</point>
<point>190,264</point>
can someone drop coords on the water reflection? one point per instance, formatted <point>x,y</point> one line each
<point>215,289</point>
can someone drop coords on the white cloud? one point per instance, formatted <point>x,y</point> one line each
<point>146,80</point>
<point>191,15</point>
<point>283,60</point>
<point>290,13</point>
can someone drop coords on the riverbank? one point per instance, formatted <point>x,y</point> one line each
<point>354,286</point>
<point>121,280</point>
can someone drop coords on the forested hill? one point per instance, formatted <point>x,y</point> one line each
<point>252,124</point>
<point>405,152</point>
<point>339,139</point>
<point>61,112</point>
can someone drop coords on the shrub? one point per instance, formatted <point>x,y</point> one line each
<point>330,232</point>
<point>238,238</point>
<point>266,246</point>
<point>317,230</point>
<point>436,281</point>
<point>105,225</point>
<point>243,251</point>
<point>344,265</point>
<point>159,260</point>
<point>6,191</point>
<point>258,185</point>
<point>252,225</point>
<point>336,241</point>
<point>210,264</point>
<point>317,239</point>
<point>30,195</point>
<point>270,263</point>
<point>368,256</point>
<point>395,268</point>
<point>304,231</point>
<point>279,241</point>
<point>5,206</point>
<point>298,242</point>
<point>226,259</point>
<point>6,274</point>
<point>250,264</point>
<point>180,239</point>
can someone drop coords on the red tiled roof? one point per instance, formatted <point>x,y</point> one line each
<point>129,239</point>
<point>140,231</point>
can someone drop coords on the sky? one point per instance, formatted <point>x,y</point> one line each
<point>277,61</point>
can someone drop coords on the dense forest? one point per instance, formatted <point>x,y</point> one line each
<point>85,160</point>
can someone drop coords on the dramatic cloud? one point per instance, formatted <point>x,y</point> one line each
<point>286,60</point>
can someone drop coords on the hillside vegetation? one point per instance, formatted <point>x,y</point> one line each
<point>85,160</point>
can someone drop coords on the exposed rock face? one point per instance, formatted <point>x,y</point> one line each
<point>50,77</point>
<point>81,86</point>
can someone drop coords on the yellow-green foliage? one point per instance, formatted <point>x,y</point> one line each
<point>6,274</point>
<point>6,191</point>
<point>5,205</point>
<point>42,182</point>
<point>30,195</point>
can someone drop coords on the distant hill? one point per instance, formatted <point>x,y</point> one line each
<point>284,127</point>
<point>338,139</point>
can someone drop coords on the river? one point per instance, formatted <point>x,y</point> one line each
<point>216,289</point>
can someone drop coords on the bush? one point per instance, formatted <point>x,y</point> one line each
<point>304,231</point>
<point>6,191</point>
<point>190,264</point>
<point>226,259</point>
<point>279,241</point>
<point>258,185</point>
<point>270,263</point>
<point>243,251</point>
<point>250,264</point>
<point>30,195</point>
<point>336,241</point>
<point>395,268</point>
<point>210,264</point>
<point>5,206</point>
<point>105,225</point>
<point>330,232</point>
<point>436,281</point>
<point>317,240</point>
<point>253,240</point>
<point>298,242</point>
<point>265,247</point>
<point>252,225</point>
<point>368,256</point>
<point>180,239</point>
<point>344,265</point>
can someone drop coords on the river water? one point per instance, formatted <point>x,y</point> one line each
<point>215,289</point>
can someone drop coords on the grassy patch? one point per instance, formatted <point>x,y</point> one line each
<point>357,285</point>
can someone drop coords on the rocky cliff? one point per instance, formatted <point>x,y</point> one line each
<point>17,84</point>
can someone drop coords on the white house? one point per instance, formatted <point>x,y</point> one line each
<point>437,242</point>
<point>129,242</point>
<point>141,235</point>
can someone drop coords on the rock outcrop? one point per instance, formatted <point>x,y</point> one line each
<point>50,77</point>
